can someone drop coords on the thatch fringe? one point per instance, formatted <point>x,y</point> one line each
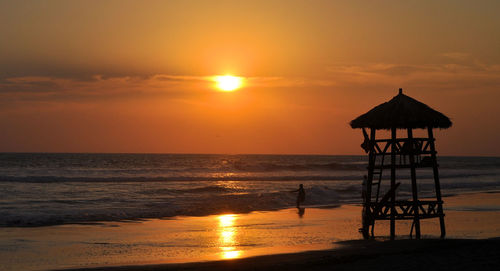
<point>402,112</point>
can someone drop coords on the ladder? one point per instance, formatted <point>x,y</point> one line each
<point>379,174</point>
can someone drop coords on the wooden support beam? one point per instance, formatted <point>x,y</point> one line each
<point>414,184</point>
<point>393,182</point>
<point>404,209</point>
<point>367,214</point>
<point>371,165</point>
<point>436,181</point>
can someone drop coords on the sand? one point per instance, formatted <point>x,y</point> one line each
<point>433,254</point>
<point>322,237</point>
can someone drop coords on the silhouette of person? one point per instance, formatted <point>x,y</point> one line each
<point>301,196</point>
<point>301,211</point>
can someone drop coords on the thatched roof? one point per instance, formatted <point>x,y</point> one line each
<point>401,112</point>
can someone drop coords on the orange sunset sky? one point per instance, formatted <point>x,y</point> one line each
<point>136,76</point>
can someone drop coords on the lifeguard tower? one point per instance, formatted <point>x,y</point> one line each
<point>406,113</point>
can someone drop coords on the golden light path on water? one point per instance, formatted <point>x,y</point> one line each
<point>227,236</point>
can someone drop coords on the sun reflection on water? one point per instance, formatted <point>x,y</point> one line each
<point>226,221</point>
<point>227,237</point>
<point>231,254</point>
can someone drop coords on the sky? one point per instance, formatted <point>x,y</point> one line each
<point>136,76</point>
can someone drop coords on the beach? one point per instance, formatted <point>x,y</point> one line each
<point>322,237</point>
<point>451,254</point>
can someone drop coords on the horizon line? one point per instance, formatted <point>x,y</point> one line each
<point>186,153</point>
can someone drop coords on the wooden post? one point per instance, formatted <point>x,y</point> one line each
<point>367,215</point>
<point>371,166</point>
<point>414,184</point>
<point>436,182</point>
<point>393,182</point>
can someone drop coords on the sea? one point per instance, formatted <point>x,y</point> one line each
<point>43,189</point>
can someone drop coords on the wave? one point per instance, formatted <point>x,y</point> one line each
<point>210,199</point>
<point>65,212</point>
<point>267,167</point>
<point>206,189</point>
<point>50,189</point>
<point>231,177</point>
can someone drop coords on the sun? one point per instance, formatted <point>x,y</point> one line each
<point>228,82</point>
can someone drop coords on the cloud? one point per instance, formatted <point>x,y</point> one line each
<point>43,88</point>
<point>467,74</point>
<point>456,55</point>
<point>101,87</point>
<point>459,71</point>
<point>180,78</point>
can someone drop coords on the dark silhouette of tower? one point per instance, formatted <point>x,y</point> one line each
<point>408,153</point>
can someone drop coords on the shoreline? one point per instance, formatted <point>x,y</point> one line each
<point>187,241</point>
<point>319,206</point>
<point>431,254</point>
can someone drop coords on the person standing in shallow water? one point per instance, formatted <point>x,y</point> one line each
<point>301,196</point>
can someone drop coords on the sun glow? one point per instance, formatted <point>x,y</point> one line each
<point>228,82</point>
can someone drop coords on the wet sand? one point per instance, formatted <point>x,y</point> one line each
<point>322,236</point>
<point>431,254</point>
